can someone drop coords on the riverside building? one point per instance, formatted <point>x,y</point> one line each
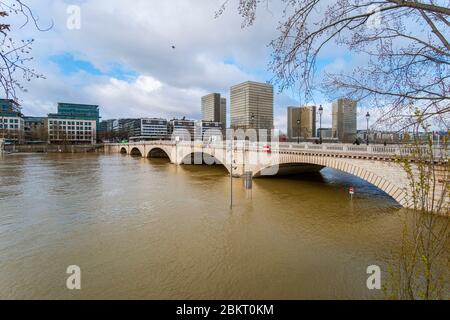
<point>301,122</point>
<point>11,121</point>
<point>251,106</point>
<point>344,120</point>
<point>73,124</point>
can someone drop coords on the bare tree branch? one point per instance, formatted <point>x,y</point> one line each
<point>404,44</point>
<point>15,55</point>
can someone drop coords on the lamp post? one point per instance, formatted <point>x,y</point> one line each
<point>298,130</point>
<point>231,174</point>
<point>232,167</point>
<point>244,142</point>
<point>367,132</point>
<point>320,121</point>
<point>177,139</point>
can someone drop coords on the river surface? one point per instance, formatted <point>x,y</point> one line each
<point>147,229</point>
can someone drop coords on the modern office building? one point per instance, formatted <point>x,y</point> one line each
<point>9,106</point>
<point>150,129</point>
<point>106,126</point>
<point>380,137</point>
<point>344,120</point>
<point>141,128</point>
<point>11,121</point>
<point>11,128</point>
<point>34,129</point>
<point>214,108</point>
<point>74,124</point>
<point>106,131</point>
<point>251,106</point>
<point>134,127</point>
<point>209,131</point>
<point>223,112</point>
<point>124,128</point>
<point>211,107</point>
<point>115,125</point>
<point>64,129</point>
<point>301,122</point>
<point>182,128</point>
<point>325,133</point>
<point>80,111</point>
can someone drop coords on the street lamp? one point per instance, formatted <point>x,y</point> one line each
<point>298,131</point>
<point>367,132</point>
<point>232,167</point>
<point>177,139</point>
<point>320,117</point>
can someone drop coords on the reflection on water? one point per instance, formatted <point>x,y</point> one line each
<point>142,228</point>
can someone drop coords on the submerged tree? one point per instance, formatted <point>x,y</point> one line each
<point>405,46</point>
<point>421,272</point>
<point>15,55</point>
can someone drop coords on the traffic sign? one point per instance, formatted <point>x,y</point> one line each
<point>266,148</point>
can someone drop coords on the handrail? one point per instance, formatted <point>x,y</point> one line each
<point>346,149</point>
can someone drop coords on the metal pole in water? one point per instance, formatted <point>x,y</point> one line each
<point>248,181</point>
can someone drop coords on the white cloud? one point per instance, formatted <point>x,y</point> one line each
<point>139,36</point>
<point>146,84</point>
<point>144,97</point>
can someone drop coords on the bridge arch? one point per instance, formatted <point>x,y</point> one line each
<point>123,150</point>
<point>203,158</point>
<point>382,178</point>
<point>158,152</point>
<point>136,152</point>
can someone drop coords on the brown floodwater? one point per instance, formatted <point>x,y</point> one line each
<point>147,229</point>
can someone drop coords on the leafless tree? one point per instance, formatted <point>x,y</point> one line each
<point>15,55</point>
<point>405,46</point>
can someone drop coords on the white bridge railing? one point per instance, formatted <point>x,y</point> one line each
<point>282,147</point>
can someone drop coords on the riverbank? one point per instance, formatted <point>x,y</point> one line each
<point>44,148</point>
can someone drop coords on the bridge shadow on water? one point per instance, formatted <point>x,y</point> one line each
<point>328,182</point>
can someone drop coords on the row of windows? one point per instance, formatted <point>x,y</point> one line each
<point>154,126</point>
<point>69,137</point>
<point>154,130</point>
<point>70,132</point>
<point>56,127</point>
<point>78,123</point>
<point>11,126</point>
<point>153,122</point>
<point>10,120</point>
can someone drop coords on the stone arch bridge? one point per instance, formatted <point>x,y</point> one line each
<point>375,164</point>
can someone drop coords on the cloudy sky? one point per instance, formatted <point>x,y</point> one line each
<point>122,58</point>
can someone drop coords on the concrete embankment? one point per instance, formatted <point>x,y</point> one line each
<point>53,148</point>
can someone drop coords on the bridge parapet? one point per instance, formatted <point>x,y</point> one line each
<point>392,151</point>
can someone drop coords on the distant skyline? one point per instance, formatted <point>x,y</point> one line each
<point>123,58</point>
